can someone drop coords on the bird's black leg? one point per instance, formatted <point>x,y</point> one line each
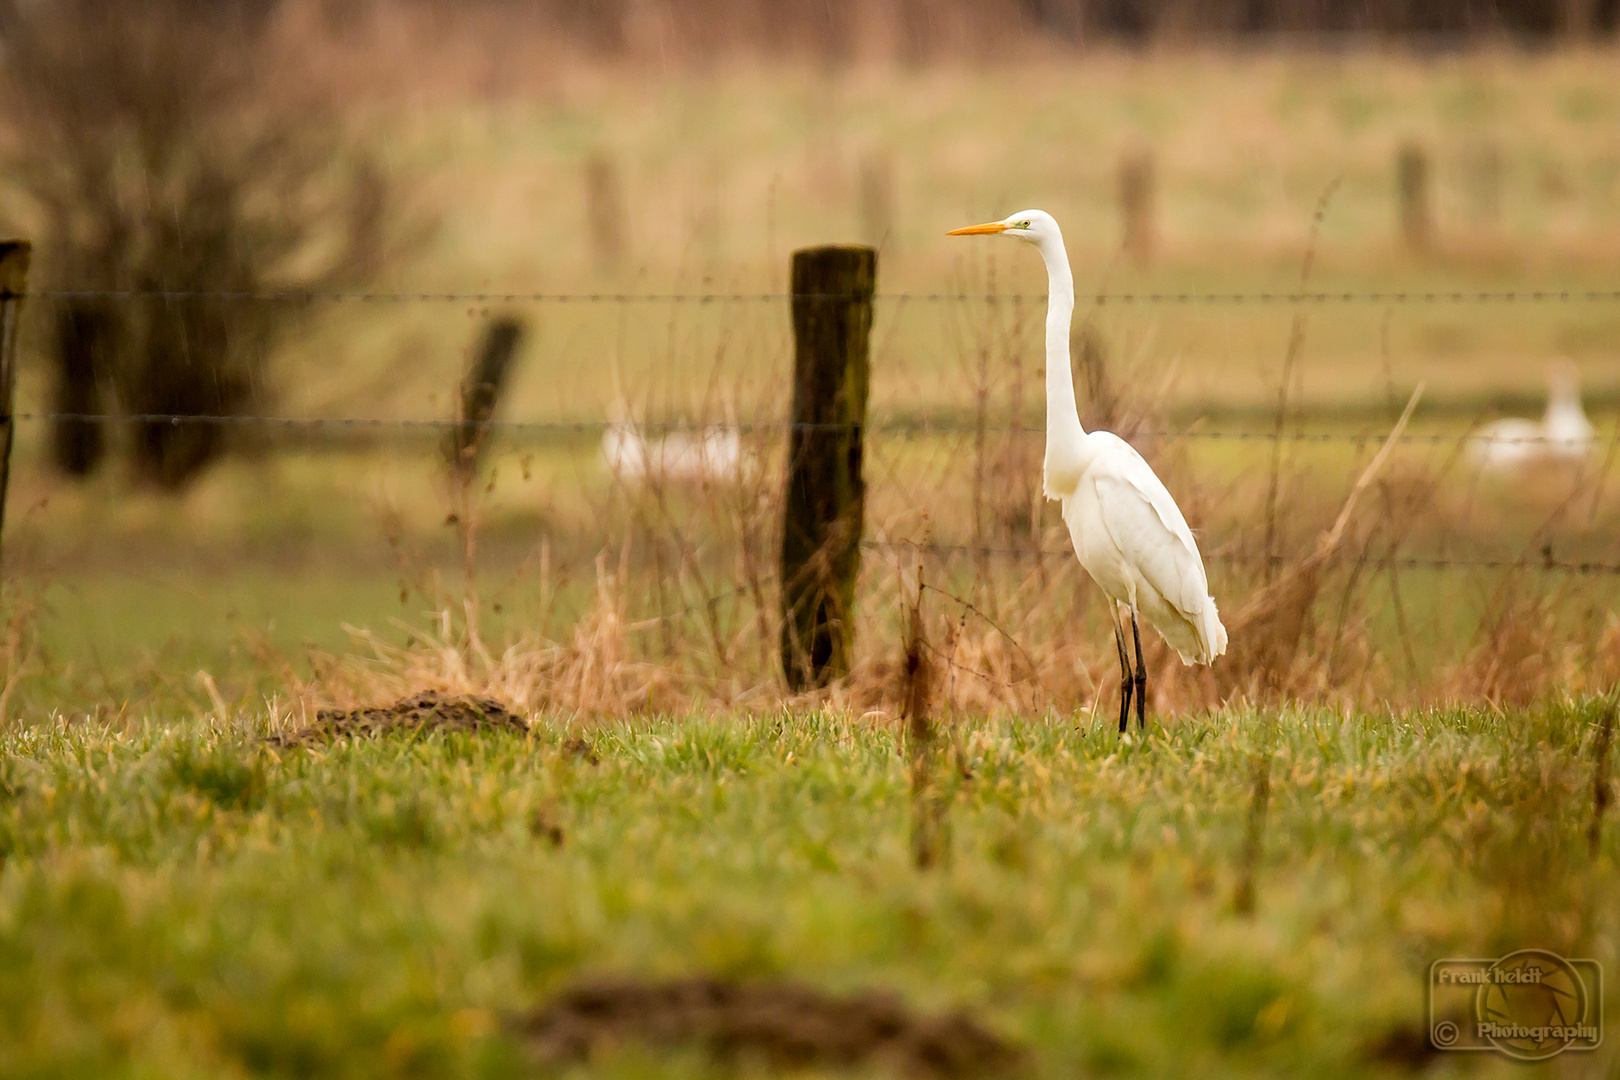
<point>1141,675</point>
<point>1125,678</point>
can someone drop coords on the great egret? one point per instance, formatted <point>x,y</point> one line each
<point>1127,530</point>
<point>1563,433</point>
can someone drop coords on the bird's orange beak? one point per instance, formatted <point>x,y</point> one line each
<point>989,228</point>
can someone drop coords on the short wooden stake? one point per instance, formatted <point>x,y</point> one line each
<point>915,693</point>
<point>824,504</point>
<point>481,393</point>
<point>14,256</point>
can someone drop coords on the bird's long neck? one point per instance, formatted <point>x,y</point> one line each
<point>1066,456</point>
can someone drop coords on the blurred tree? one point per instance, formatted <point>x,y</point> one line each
<point>162,157</point>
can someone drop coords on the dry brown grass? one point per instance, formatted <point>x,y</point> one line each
<point>681,619</point>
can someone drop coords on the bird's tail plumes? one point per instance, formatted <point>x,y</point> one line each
<point>1197,636</point>
<point>1213,632</point>
<point>1207,639</point>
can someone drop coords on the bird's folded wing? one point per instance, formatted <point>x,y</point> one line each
<point>1154,538</point>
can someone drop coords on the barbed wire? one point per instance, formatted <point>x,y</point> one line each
<point>921,428</point>
<point>1227,558</point>
<point>1282,297</point>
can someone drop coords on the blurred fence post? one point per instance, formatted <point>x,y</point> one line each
<point>1101,408</point>
<point>604,210</point>
<point>14,255</point>
<point>1136,182</point>
<point>824,507</point>
<point>85,330</point>
<point>1577,18</point>
<point>877,200</point>
<point>481,393</point>
<point>1412,187</point>
<point>1485,183</point>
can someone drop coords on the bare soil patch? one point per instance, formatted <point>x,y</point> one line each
<point>581,748</point>
<point>423,713</point>
<point>781,1024</point>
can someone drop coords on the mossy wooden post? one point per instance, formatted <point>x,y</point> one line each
<point>481,393</point>
<point>14,256</point>
<point>826,494</point>
<point>1412,187</point>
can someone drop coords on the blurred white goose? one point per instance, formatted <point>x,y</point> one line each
<point>709,453</point>
<point>1562,435</point>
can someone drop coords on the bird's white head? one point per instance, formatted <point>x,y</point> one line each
<point>1033,226</point>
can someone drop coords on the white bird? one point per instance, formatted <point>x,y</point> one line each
<point>1127,530</point>
<point>710,453</point>
<point>1563,434</point>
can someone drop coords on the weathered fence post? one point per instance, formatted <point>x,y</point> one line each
<point>14,256</point>
<point>84,329</point>
<point>1412,187</point>
<point>826,493</point>
<point>481,392</point>
<point>1136,182</point>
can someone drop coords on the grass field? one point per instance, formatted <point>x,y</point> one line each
<point>178,900</point>
<point>725,172</point>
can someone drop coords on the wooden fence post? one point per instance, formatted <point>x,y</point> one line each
<point>84,330</point>
<point>14,256</point>
<point>1412,186</point>
<point>481,392</point>
<point>826,493</point>
<point>1136,182</point>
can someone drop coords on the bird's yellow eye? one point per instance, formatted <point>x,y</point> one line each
<point>1022,225</point>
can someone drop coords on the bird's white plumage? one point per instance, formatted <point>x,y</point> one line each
<point>1563,435</point>
<point>1127,530</point>
<point>1134,542</point>
<point>711,453</point>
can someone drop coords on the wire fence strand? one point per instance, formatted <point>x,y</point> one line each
<point>1551,295</point>
<point>920,428</point>
<point>1231,558</point>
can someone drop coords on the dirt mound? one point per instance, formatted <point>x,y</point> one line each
<point>581,749</point>
<point>424,712</point>
<point>783,1024</point>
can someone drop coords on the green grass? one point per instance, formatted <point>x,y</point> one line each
<point>177,901</point>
